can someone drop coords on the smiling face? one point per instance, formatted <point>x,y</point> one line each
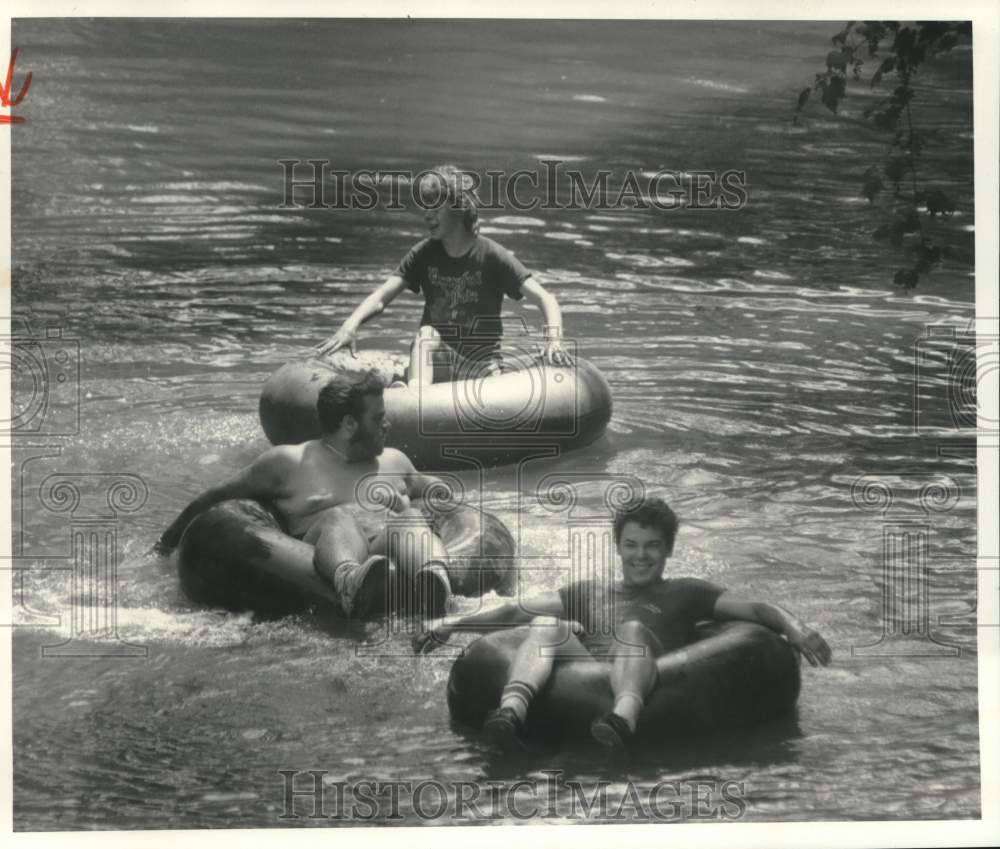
<point>643,552</point>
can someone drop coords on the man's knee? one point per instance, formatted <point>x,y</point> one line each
<point>332,520</point>
<point>340,516</point>
<point>406,534</point>
<point>635,642</point>
<point>411,517</point>
<point>549,630</point>
<point>634,632</point>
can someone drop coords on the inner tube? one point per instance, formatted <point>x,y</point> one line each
<point>735,675</point>
<point>486,421</point>
<point>236,555</point>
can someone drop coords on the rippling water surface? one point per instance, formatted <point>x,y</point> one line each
<point>759,359</point>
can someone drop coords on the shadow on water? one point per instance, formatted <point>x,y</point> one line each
<point>769,745</point>
<point>329,621</point>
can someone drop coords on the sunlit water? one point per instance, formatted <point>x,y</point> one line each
<point>760,361</point>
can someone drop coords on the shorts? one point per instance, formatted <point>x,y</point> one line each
<point>604,646</point>
<point>452,365</point>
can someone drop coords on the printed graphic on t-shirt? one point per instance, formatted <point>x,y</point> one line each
<point>448,298</point>
<point>463,295</point>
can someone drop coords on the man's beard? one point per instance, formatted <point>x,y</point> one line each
<point>366,445</point>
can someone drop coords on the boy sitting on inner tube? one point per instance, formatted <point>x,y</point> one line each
<point>650,611</point>
<point>463,277</point>
<point>338,493</point>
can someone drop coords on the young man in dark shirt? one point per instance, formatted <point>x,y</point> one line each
<point>628,624</point>
<point>464,278</point>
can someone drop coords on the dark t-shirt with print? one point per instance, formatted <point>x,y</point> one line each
<point>670,609</point>
<point>463,295</point>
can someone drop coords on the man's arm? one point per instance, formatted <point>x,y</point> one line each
<point>371,306</point>
<point>415,484</point>
<point>554,352</point>
<point>508,615</point>
<point>418,484</point>
<point>805,639</point>
<point>261,479</point>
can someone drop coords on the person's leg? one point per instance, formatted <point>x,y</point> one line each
<point>421,559</point>
<point>344,559</point>
<point>633,678</point>
<point>472,364</point>
<point>549,639</point>
<point>428,359</point>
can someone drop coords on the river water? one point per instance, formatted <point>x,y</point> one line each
<point>761,363</point>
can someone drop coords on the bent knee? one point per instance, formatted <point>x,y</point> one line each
<point>325,524</point>
<point>338,516</point>
<point>414,516</point>
<point>550,630</point>
<point>634,631</point>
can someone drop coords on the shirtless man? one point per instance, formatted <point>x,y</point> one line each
<point>338,493</point>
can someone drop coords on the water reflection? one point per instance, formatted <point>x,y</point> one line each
<point>759,363</point>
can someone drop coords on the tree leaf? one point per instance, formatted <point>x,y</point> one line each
<point>896,168</point>
<point>903,44</point>
<point>872,184</point>
<point>946,43</point>
<point>938,203</point>
<point>833,92</point>
<point>910,223</point>
<point>836,60</point>
<point>888,64</point>
<point>888,118</point>
<point>928,255</point>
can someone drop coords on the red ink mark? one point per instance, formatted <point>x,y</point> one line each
<point>5,93</point>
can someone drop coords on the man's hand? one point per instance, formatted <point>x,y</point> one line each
<point>555,354</point>
<point>344,336</point>
<point>434,634</point>
<point>729,605</point>
<point>813,647</point>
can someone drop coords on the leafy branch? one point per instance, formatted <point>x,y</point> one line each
<point>900,50</point>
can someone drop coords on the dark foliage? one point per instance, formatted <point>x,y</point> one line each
<point>899,50</point>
